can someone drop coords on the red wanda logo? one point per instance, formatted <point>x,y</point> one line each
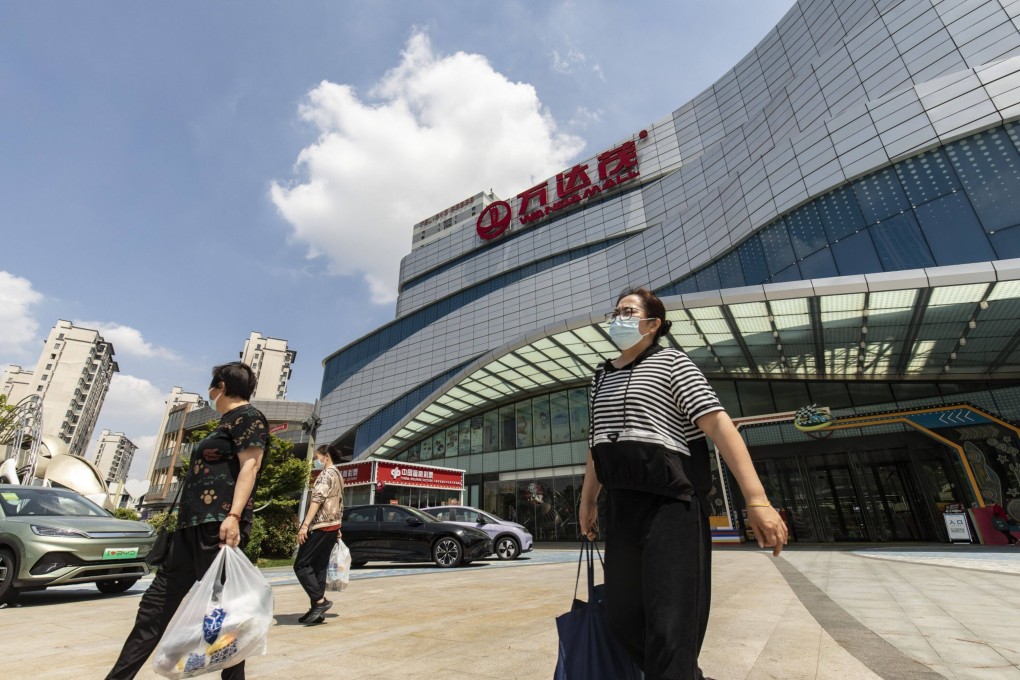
<point>494,220</point>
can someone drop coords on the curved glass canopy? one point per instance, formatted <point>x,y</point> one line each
<point>962,320</point>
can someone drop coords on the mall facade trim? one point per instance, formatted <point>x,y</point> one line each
<point>859,138</point>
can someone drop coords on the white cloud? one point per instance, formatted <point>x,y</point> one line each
<point>129,341</point>
<point>17,326</point>
<point>568,64</point>
<point>133,406</point>
<point>133,399</point>
<point>435,130</point>
<point>584,117</point>
<point>146,448</point>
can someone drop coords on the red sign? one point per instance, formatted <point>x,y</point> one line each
<point>615,167</point>
<point>278,428</point>
<point>413,475</point>
<point>494,220</point>
<point>355,473</point>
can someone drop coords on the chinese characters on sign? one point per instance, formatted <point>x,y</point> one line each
<point>576,185</point>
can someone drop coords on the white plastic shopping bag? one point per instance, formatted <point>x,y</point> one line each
<point>338,574</point>
<point>224,619</point>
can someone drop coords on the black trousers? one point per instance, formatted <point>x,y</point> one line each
<point>658,581</point>
<point>312,562</point>
<point>192,551</point>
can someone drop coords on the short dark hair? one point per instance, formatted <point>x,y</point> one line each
<point>238,379</point>
<point>653,308</point>
<point>331,451</point>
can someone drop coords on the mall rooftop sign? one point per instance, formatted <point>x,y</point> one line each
<point>576,186</point>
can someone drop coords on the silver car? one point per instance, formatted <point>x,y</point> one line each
<point>509,539</point>
<point>53,537</point>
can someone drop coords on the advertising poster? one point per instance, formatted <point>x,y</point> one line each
<point>412,454</point>
<point>439,445</point>
<point>465,438</point>
<point>541,425</point>
<point>579,414</point>
<point>476,434</point>
<point>426,450</point>
<point>523,423</point>
<point>559,409</point>
<point>452,441</point>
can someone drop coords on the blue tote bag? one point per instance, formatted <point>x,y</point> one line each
<point>588,650</point>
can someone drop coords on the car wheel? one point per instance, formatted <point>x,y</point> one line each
<point>359,564</point>
<point>447,552</point>
<point>119,586</point>
<point>507,548</point>
<point>8,572</point>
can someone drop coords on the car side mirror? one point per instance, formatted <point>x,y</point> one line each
<point>481,520</point>
<point>414,521</point>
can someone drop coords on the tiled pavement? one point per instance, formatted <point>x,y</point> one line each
<point>931,612</point>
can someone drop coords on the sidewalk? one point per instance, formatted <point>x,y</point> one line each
<point>813,613</point>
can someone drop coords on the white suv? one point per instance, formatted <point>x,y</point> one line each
<point>509,539</point>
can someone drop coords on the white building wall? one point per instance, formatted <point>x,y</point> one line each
<point>14,383</point>
<point>271,360</point>
<point>113,457</point>
<point>72,378</point>
<point>176,397</point>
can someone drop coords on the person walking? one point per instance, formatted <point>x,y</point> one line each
<point>651,408</point>
<point>216,509</point>
<point>319,533</point>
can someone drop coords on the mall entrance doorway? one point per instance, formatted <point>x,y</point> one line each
<point>884,488</point>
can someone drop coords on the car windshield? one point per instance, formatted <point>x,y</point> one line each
<point>422,515</point>
<point>29,502</point>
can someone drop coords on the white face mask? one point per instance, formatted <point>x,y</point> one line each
<point>318,464</point>
<point>626,334</point>
<point>212,403</point>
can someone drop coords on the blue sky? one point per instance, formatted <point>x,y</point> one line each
<point>180,174</point>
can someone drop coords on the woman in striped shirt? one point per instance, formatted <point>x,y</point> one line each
<point>651,408</point>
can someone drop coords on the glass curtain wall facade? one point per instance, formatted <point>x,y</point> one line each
<point>947,206</point>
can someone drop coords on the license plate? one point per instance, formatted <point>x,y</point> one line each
<point>120,553</point>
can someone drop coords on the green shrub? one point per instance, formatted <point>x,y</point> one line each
<point>125,513</point>
<point>281,532</point>
<point>161,519</point>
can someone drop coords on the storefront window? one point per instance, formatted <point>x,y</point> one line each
<point>476,433</point>
<point>507,428</point>
<point>490,430</point>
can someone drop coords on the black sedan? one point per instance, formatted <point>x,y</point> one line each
<point>397,533</point>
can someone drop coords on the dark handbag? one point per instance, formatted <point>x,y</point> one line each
<point>588,650</point>
<point>1000,524</point>
<point>161,546</point>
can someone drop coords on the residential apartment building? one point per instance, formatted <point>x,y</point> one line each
<point>113,456</point>
<point>169,438</point>
<point>14,383</point>
<point>71,378</point>
<point>271,360</point>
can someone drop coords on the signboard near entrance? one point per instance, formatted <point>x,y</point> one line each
<point>957,527</point>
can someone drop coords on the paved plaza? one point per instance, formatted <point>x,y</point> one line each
<point>856,613</point>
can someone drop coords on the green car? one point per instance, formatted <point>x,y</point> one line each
<point>54,537</point>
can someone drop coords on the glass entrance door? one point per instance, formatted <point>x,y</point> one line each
<point>837,500</point>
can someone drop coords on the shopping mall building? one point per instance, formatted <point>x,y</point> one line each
<point>836,221</point>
